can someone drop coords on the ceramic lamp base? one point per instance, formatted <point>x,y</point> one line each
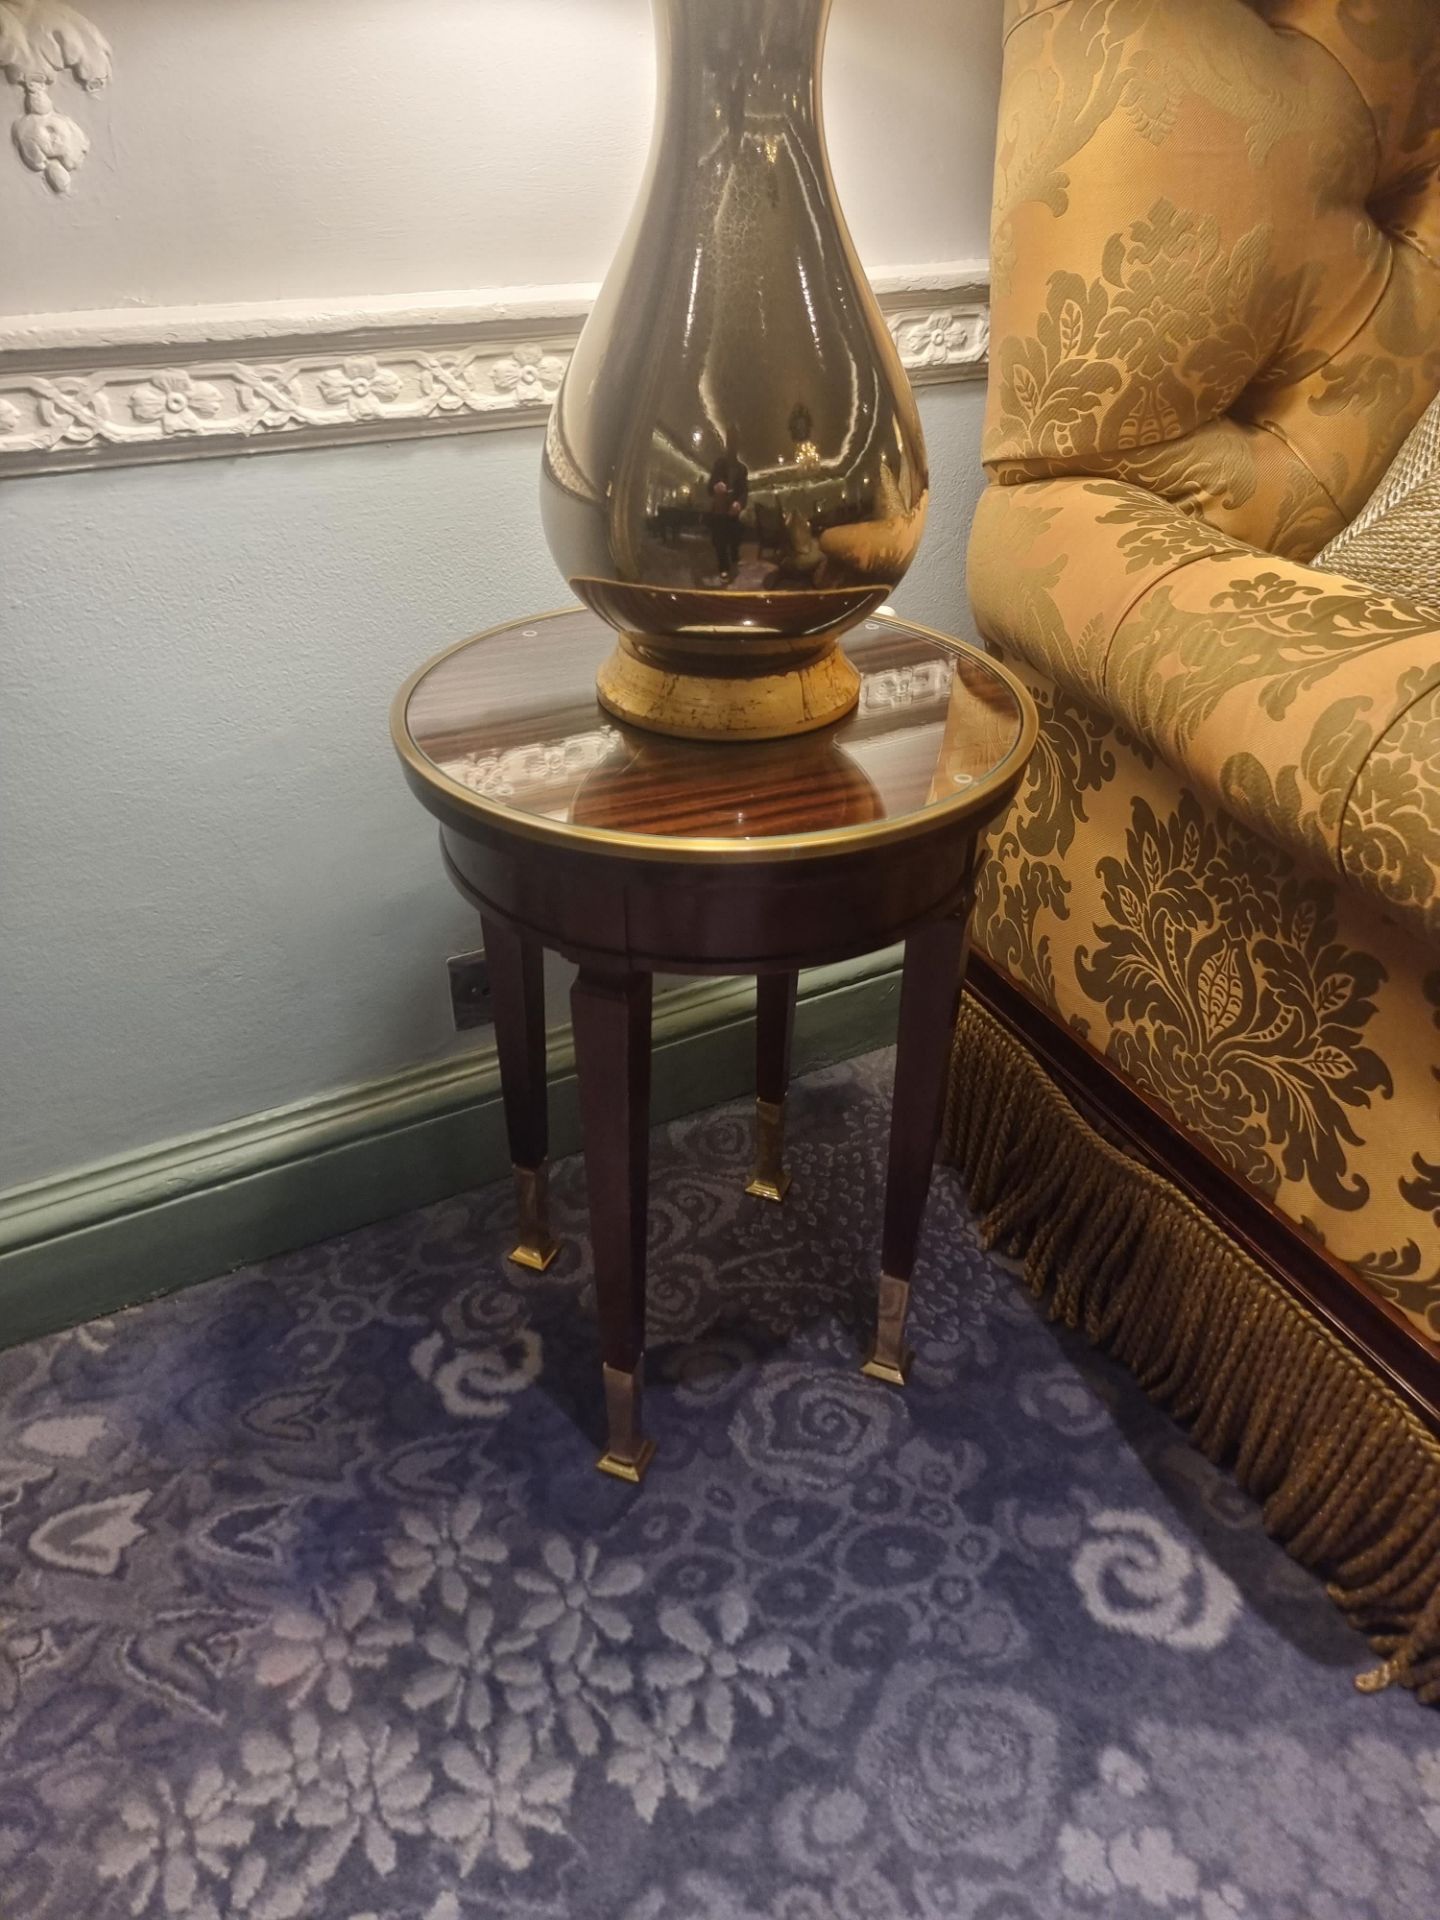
<point>691,705</point>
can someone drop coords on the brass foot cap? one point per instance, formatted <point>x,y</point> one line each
<point>886,1370</point>
<point>536,1258</point>
<point>628,1467</point>
<point>764,1188</point>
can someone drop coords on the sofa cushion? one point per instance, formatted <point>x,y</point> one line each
<point>1216,252</point>
<point>1394,541</point>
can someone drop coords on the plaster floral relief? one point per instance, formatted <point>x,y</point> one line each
<point>941,339</point>
<point>175,403</point>
<point>530,374</point>
<point>360,385</point>
<point>40,42</point>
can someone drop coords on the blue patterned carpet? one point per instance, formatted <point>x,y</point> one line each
<point>314,1605</point>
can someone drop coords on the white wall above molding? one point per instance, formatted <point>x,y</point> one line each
<point>249,149</point>
<point>96,389</point>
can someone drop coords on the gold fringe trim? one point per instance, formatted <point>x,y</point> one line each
<point>1347,1477</point>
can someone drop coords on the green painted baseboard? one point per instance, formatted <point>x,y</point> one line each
<point>111,1235</point>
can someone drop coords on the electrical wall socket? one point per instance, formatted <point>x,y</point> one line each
<point>470,991</point>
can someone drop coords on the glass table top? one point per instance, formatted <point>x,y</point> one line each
<point>507,724</point>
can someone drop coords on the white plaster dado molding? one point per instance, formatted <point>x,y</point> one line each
<point>116,388</point>
<point>41,40</point>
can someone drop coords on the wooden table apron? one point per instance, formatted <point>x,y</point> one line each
<point>723,917</point>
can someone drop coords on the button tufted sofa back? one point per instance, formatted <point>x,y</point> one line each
<point>1216,252</point>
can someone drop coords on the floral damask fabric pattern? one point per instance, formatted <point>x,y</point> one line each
<point>313,1603</point>
<point>1161,343</point>
<point>1267,1007</point>
<point>1217,309</point>
<point>1216,254</point>
<point>1300,701</point>
<point>1221,980</point>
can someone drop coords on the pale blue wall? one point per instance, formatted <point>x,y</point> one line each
<point>216,893</point>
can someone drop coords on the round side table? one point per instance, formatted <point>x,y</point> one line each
<point>633,854</point>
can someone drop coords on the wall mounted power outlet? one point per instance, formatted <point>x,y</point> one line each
<point>470,990</point>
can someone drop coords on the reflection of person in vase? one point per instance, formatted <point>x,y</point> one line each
<point>729,492</point>
<point>801,561</point>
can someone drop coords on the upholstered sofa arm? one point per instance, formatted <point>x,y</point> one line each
<point>1304,703</point>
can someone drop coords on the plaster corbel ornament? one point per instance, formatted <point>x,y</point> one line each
<point>39,41</point>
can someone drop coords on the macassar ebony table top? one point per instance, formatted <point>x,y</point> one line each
<point>506,727</point>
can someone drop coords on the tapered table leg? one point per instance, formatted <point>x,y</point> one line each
<point>517,989</point>
<point>774,1026</point>
<point>612,1055</point>
<point>929,1007</point>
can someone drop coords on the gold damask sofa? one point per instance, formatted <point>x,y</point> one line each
<point>1216,317</point>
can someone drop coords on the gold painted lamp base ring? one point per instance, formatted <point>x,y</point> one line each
<point>698,706</point>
